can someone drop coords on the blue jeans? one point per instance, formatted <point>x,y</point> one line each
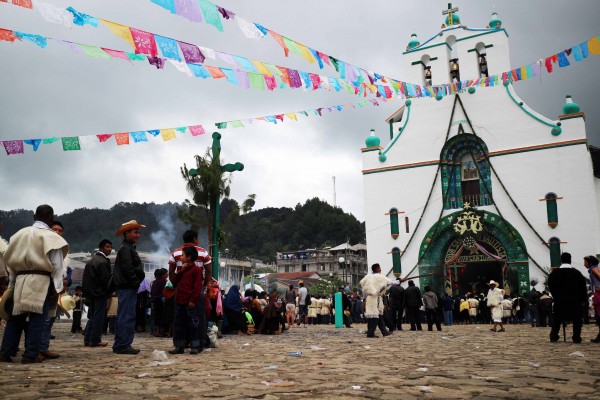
<point>96,313</point>
<point>48,324</point>
<point>448,317</point>
<point>186,325</point>
<point>125,323</point>
<point>33,339</point>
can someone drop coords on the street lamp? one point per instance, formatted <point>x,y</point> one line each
<point>223,265</point>
<point>341,260</point>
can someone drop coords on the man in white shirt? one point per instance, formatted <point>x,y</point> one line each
<point>302,294</point>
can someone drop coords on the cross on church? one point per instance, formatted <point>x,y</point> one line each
<point>450,11</point>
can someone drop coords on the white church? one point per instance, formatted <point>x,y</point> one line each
<point>476,185</point>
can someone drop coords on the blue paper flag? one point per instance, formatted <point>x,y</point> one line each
<point>245,63</point>
<point>82,19</point>
<point>166,4</point>
<point>577,55</point>
<point>563,61</point>
<point>316,56</point>
<point>584,49</point>
<point>230,75</point>
<point>271,118</point>
<point>262,29</point>
<point>154,132</point>
<point>35,39</point>
<point>306,79</point>
<point>139,136</point>
<point>33,142</point>
<point>199,71</point>
<point>335,84</point>
<point>168,47</point>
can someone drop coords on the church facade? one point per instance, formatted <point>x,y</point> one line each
<point>475,185</point>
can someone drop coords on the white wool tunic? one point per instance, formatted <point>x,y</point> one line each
<point>374,285</point>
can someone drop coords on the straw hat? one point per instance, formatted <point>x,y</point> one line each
<point>6,304</point>
<point>127,226</point>
<point>66,302</point>
<point>493,282</point>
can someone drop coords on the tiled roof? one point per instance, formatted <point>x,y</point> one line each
<point>291,275</point>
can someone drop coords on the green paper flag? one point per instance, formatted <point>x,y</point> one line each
<point>70,143</point>
<point>236,124</point>
<point>292,46</point>
<point>211,14</point>
<point>221,125</point>
<point>136,57</point>
<point>181,129</point>
<point>256,81</point>
<point>93,51</point>
<point>50,140</point>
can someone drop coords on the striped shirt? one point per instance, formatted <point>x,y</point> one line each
<point>203,261</point>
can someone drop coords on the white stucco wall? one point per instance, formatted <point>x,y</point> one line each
<point>528,176</point>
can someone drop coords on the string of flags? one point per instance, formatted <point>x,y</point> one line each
<point>204,11</point>
<point>87,142</point>
<point>274,76</point>
<point>146,46</point>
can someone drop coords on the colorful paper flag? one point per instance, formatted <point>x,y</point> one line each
<point>196,130</point>
<point>167,134</point>
<point>13,147</point>
<point>144,42</point>
<point>121,31</point>
<point>33,142</point>
<point>168,47</point>
<point>211,14</point>
<point>138,136</point>
<point>188,9</point>
<point>191,53</point>
<point>70,143</point>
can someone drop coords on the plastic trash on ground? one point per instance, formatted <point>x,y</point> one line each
<point>576,354</point>
<point>159,355</point>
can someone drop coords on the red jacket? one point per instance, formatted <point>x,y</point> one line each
<point>189,285</point>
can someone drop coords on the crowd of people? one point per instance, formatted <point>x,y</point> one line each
<point>187,304</point>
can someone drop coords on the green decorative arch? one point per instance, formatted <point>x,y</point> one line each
<point>436,241</point>
<point>441,234</point>
<point>450,160</point>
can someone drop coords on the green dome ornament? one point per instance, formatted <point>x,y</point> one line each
<point>495,22</point>
<point>570,107</point>
<point>414,42</point>
<point>455,20</point>
<point>382,158</point>
<point>372,140</point>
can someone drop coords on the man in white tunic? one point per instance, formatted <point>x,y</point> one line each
<point>494,301</point>
<point>374,287</point>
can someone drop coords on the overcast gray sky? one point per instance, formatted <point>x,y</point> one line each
<point>54,92</point>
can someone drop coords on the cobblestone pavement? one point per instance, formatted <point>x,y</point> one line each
<point>461,362</point>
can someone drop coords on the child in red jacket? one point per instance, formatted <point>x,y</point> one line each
<point>188,282</point>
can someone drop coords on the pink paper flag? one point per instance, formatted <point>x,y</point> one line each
<point>13,146</point>
<point>196,130</point>
<point>116,54</point>
<point>144,42</point>
<point>104,137</point>
<point>122,138</point>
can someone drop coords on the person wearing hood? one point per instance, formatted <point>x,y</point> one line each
<point>430,300</point>
<point>233,312</point>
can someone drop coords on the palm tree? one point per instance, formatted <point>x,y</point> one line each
<point>207,183</point>
<point>249,203</point>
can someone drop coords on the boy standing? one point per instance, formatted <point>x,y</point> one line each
<point>188,281</point>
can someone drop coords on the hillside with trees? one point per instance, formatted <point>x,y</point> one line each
<point>256,234</point>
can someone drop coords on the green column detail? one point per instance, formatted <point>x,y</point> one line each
<point>396,261</point>
<point>394,228</point>
<point>552,209</point>
<point>554,243</point>
<point>382,156</point>
<point>556,129</point>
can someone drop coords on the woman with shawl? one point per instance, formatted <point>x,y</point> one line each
<point>233,312</point>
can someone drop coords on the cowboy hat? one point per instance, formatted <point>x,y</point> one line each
<point>6,304</point>
<point>66,302</point>
<point>493,282</point>
<point>127,226</point>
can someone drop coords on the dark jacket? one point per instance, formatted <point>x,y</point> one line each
<point>96,276</point>
<point>568,289</point>
<point>412,297</point>
<point>128,272</point>
<point>396,295</point>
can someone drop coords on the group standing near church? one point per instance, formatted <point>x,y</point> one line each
<point>189,306</point>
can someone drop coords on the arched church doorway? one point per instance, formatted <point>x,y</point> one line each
<point>464,250</point>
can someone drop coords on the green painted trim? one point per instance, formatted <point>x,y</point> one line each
<point>391,123</point>
<point>421,62</point>
<point>484,33</point>
<point>556,126</point>
<point>433,59</point>
<point>391,144</point>
<point>500,154</point>
<point>396,261</point>
<point>394,226</point>
<point>426,47</point>
<point>552,212</point>
<point>474,49</point>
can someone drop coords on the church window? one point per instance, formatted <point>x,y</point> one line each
<point>481,60</point>
<point>552,209</point>
<point>396,261</point>
<point>554,244</point>
<point>466,175</point>
<point>394,227</point>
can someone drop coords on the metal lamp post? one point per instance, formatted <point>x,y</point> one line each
<point>341,260</point>
<point>216,198</point>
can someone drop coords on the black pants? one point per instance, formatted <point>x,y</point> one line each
<point>557,321</point>
<point>413,318</point>
<point>396,311</point>
<point>372,323</point>
<point>76,325</point>
<point>432,318</point>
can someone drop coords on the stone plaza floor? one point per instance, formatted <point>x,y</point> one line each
<point>461,362</point>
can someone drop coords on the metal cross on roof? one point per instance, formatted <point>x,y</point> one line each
<point>450,11</point>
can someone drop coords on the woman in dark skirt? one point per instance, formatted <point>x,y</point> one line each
<point>232,306</point>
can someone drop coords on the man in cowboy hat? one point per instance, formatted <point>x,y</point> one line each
<point>494,301</point>
<point>35,262</point>
<point>127,275</point>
